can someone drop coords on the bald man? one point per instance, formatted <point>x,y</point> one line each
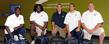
<point>92,23</point>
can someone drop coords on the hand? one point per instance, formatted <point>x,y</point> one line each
<point>69,35</point>
<point>42,33</point>
<point>42,28</point>
<point>78,29</point>
<point>90,31</point>
<point>65,30</point>
<point>15,28</point>
<point>54,30</point>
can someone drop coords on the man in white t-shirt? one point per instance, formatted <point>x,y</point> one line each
<point>72,21</point>
<point>38,20</point>
<point>14,24</point>
<point>92,23</point>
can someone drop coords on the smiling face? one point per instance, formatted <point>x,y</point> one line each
<point>17,11</point>
<point>59,7</point>
<point>71,7</point>
<point>91,7</point>
<point>38,8</point>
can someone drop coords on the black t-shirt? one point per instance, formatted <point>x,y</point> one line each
<point>58,19</point>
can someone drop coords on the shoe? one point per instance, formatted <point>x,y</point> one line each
<point>16,38</point>
<point>21,37</point>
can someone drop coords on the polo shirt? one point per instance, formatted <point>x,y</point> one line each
<point>39,18</point>
<point>58,19</point>
<point>91,19</point>
<point>13,21</point>
<point>72,19</point>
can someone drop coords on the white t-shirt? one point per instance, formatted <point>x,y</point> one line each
<point>72,19</point>
<point>39,18</point>
<point>13,21</point>
<point>91,19</point>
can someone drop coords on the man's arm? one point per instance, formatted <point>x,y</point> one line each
<point>41,27</point>
<point>53,25</point>
<point>79,24</point>
<point>21,25</point>
<point>69,34</point>
<point>88,30</point>
<point>83,25</point>
<point>67,27</point>
<point>33,28</point>
<point>7,29</point>
<point>9,32</point>
<point>98,26</point>
<point>45,25</point>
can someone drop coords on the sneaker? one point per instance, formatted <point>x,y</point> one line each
<point>21,37</point>
<point>16,38</point>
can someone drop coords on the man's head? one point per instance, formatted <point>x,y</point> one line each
<point>59,7</point>
<point>91,6</point>
<point>72,6</point>
<point>38,8</point>
<point>17,10</point>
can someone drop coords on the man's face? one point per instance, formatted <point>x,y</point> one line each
<point>59,7</point>
<point>38,9</point>
<point>71,7</point>
<point>17,11</point>
<point>91,6</point>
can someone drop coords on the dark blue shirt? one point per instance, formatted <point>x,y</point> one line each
<point>58,19</point>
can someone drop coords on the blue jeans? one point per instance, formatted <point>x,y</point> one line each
<point>21,31</point>
<point>77,35</point>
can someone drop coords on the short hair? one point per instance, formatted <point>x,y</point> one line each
<point>90,3</point>
<point>17,8</point>
<point>59,4</point>
<point>36,5</point>
<point>72,4</point>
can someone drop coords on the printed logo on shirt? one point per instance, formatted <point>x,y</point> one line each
<point>94,14</point>
<point>19,18</point>
<point>62,16</point>
<point>41,15</point>
<point>75,14</point>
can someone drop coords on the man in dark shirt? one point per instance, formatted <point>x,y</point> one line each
<point>58,21</point>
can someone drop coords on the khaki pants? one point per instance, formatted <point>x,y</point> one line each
<point>37,31</point>
<point>40,32</point>
<point>60,30</point>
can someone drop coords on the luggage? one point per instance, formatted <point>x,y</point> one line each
<point>88,42</point>
<point>71,41</point>
<point>41,39</point>
<point>57,40</point>
<point>12,40</point>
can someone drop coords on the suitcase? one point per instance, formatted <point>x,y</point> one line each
<point>41,39</point>
<point>88,42</point>
<point>57,40</point>
<point>11,40</point>
<point>71,41</point>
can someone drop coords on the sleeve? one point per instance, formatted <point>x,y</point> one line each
<point>66,21</point>
<point>45,17</point>
<point>79,16</point>
<point>22,20</point>
<point>32,17</point>
<point>100,19</point>
<point>8,20</point>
